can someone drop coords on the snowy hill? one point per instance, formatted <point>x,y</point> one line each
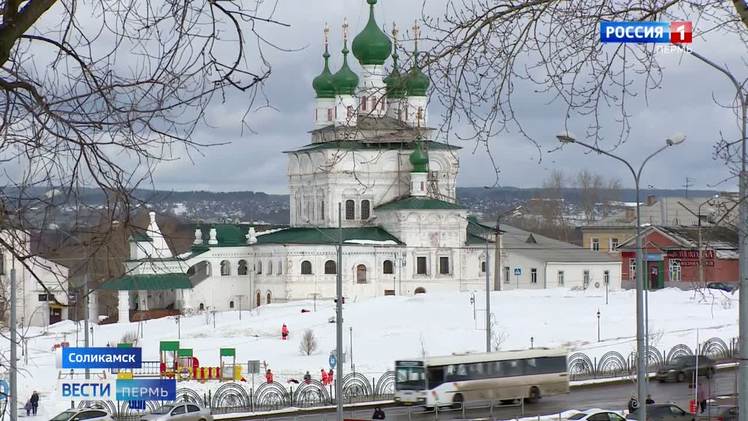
<point>390,328</point>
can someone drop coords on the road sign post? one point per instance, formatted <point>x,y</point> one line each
<point>517,274</point>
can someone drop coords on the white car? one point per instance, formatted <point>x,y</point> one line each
<point>91,414</point>
<point>596,415</point>
<point>179,412</point>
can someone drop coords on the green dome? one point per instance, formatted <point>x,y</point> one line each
<point>323,84</point>
<point>344,80</point>
<point>417,83</point>
<point>371,46</point>
<point>394,81</point>
<point>419,159</point>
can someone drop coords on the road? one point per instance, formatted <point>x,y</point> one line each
<point>608,396</point>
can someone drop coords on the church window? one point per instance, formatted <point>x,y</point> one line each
<point>280,267</point>
<point>231,304</point>
<point>381,104</point>
<point>322,210</point>
<point>387,267</point>
<point>258,299</point>
<point>365,206</point>
<point>329,114</point>
<point>306,267</point>
<point>330,267</point>
<point>259,267</point>
<point>270,267</point>
<point>316,114</point>
<point>242,267</point>
<point>350,209</point>
<point>225,268</point>
<point>267,300</point>
<point>444,265</point>
<point>373,103</point>
<point>483,267</point>
<point>363,103</point>
<point>361,274</point>
<point>201,307</point>
<point>421,265</point>
<point>350,112</point>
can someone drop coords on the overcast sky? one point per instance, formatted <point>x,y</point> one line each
<point>254,161</point>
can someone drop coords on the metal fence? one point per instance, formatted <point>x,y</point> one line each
<point>236,397</point>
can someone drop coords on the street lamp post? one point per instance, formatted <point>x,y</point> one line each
<point>700,243</point>
<point>339,320</point>
<point>488,299</point>
<point>598,325</point>
<point>641,351</point>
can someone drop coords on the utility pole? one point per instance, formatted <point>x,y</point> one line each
<point>497,256</point>
<point>488,299</point>
<point>339,320</point>
<point>13,343</point>
<point>86,315</point>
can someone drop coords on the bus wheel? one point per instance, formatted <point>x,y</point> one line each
<point>534,395</point>
<point>457,401</point>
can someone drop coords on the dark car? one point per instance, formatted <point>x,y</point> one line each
<point>720,286</point>
<point>719,413</point>
<point>682,368</point>
<point>663,412</point>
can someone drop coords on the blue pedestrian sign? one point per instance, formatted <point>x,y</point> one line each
<point>333,360</point>
<point>517,271</point>
<point>4,390</point>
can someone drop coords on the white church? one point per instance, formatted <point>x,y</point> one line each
<point>372,168</point>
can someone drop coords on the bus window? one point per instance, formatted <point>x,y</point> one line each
<point>551,365</point>
<point>531,367</point>
<point>511,368</point>
<point>456,372</point>
<point>409,378</point>
<point>435,376</point>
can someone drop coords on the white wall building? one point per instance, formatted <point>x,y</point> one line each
<point>378,175</point>
<point>42,285</point>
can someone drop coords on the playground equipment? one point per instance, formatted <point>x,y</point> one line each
<point>181,364</point>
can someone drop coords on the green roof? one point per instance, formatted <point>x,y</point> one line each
<point>372,45</point>
<point>406,146</point>
<point>326,236</point>
<point>153,282</point>
<point>323,84</point>
<point>168,346</point>
<point>227,352</point>
<point>345,80</point>
<point>418,203</point>
<point>419,159</point>
<point>228,235</point>
<point>139,236</point>
<point>184,352</point>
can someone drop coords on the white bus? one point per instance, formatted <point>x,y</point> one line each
<point>507,375</point>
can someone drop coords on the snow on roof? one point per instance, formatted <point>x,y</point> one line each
<point>372,242</point>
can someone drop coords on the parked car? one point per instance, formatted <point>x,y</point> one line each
<point>682,368</point>
<point>719,413</point>
<point>596,415</point>
<point>92,414</point>
<point>720,286</point>
<point>183,411</point>
<point>663,412</point>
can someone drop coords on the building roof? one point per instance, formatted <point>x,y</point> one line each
<point>723,240</point>
<point>150,282</point>
<point>536,246</point>
<point>358,236</point>
<point>372,129</point>
<point>359,145</point>
<point>228,235</point>
<point>140,236</point>
<point>478,233</point>
<point>418,203</point>
<point>663,211</point>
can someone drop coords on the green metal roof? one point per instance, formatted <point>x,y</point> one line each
<point>228,235</point>
<point>227,352</point>
<point>326,236</point>
<point>140,236</point>
<point>155,282</point>
<point>184,352</point>
<point>477,232</point>
<point>405,146</point>
<point>418,203</point>
<point>372,45</point>
<point>168,346</point>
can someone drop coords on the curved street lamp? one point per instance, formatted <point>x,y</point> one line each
<point>641,347</point>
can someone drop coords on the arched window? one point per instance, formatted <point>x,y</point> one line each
<point>322,210</point>
<point>365,209</point>
<point>225,268</point>
<point>258,299</point>
<point>201,307</point>
<point>242,267</point>
<point>330,267</point>
<point>483,267</point>
<point>267,298</point>
<point>420,290</point>
<point>360,274</point>
<point>363,103</point>
<point>280,267</point>
<point>270,267</point>
<point>306,267</point>
<point>387,267</point>
<point>231,304</point>
<point>350,209</point>
<point>259,267</point>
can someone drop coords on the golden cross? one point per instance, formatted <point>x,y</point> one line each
<point>326,31</point>
<point>345,29</point>
<point>416,32</point>
<point>394,32</point>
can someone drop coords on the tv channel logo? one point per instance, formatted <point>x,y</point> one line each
<point>85,389</point>
<point>101,357</point>
<point>680,32</point>
<point>147,390</point>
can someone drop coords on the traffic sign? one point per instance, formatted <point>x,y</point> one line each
<point>253,366</point>
<point>517,271</point>
<point>333,360</point>
<point>4,390</point>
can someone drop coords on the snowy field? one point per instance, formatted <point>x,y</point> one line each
<point>390,328</point>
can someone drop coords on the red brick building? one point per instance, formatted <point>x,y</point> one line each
<point>672,256</point>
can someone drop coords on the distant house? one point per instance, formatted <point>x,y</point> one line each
<point>532,261</point>
<point>42,285</point>
<point>672,256</point>
<point>610,232</point>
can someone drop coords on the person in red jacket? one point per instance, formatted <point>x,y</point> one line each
<point>269,376</point>
<point>323,375</point>
<point>284,332</point>
<point>330,377</point>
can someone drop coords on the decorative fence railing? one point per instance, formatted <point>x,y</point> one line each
<point>237,397</point>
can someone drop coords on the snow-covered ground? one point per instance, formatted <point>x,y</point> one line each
<point>390,328</point>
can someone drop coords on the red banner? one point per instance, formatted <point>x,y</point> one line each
<point>689,254</point>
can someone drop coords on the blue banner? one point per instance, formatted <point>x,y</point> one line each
<point>147,390</point>
<point>101,358</point>
<point>639,32</point>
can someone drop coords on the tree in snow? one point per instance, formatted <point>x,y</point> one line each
<point>498,334</point>
<point>308,343</point>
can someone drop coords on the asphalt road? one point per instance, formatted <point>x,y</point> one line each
<point>607,396</point>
